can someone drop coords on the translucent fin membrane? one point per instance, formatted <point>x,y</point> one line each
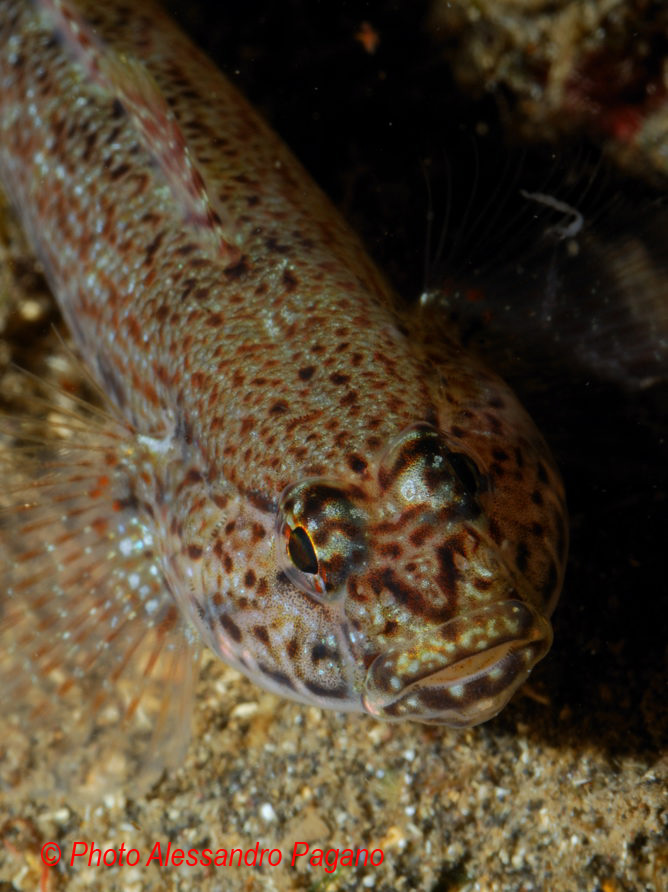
<point>96,666</point>
<point>573,284</point>
<point>130,83</point>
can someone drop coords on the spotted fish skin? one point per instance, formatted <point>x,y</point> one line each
<point>343,503</point>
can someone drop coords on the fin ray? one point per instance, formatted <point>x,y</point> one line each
<point>97,665</point>
<point>160,133</point>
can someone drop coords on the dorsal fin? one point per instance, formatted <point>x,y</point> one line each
<point>132,85</point>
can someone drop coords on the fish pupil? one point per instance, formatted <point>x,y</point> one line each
<point>466,470</point>
<point>301,551</point>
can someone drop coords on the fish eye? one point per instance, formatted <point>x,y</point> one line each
<point>301,551</point>
<point>467,472</point>
<point>421,468</point>
<point>320,537</point>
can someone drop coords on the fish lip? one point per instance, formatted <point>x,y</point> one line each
<point>459,675</point>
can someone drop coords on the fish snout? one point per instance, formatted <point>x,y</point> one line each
<point>463,672</point>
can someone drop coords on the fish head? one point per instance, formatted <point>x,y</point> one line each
<point>419,566</point>
<point>416,584</point>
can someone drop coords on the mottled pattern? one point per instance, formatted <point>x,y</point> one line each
<point>343,503</point>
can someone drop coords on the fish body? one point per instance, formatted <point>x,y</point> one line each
<point>335,498</point>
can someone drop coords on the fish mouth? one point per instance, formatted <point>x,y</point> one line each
<point>463,672</point>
